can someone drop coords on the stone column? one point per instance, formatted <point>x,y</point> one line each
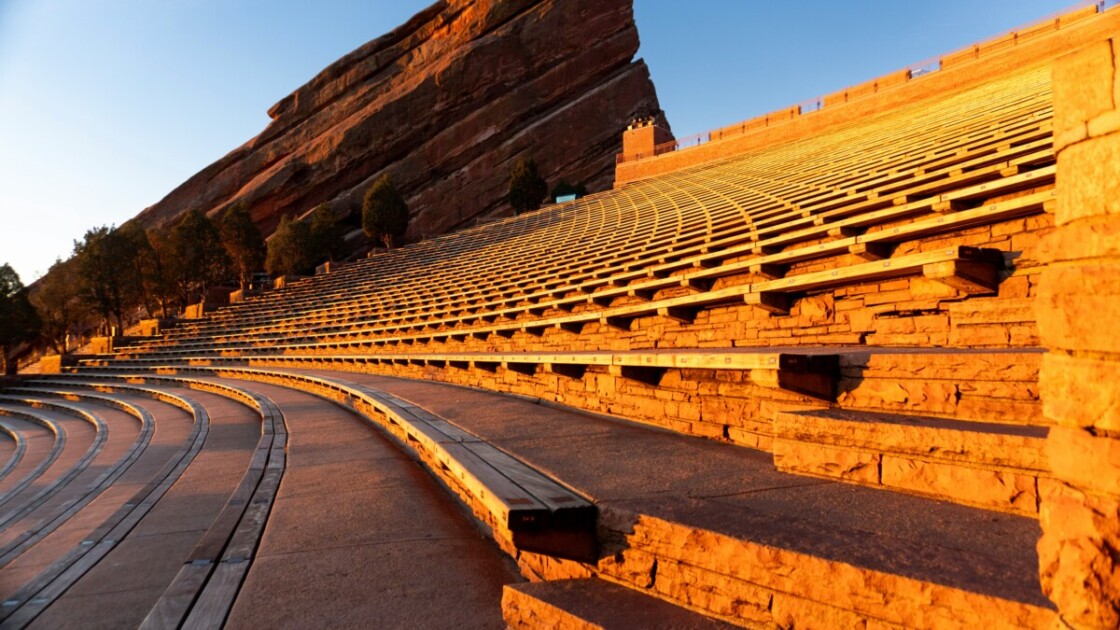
<point>1078,311</point>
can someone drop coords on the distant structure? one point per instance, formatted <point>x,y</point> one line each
<point>643,138</point>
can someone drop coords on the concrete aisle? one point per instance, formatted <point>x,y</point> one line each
<point>123,431</point>
<point>361,536</point>
<point>120,590</point>
<point>628,469</point>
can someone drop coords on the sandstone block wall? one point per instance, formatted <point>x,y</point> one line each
<point>1078,309</point>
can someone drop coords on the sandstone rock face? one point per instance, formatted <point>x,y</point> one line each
<point>445,104</point>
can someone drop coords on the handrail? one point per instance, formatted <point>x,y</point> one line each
<point>915,70</point>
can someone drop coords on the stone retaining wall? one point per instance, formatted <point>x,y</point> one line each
<point>1078,310</point>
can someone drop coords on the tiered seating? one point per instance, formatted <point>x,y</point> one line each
<point>854,304</point>
<point>204,509</point>
<point>609,256</point>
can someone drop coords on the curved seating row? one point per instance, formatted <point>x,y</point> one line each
<point>691,301</point>
<point>38,462</point>
<point>529,508</point>
<point>19,447</point>
<point>60,513</point>
<point>962,593</point>
<point>34,588</point>
<point>673,236</point>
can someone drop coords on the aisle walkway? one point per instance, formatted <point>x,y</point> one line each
<point>360,536</point>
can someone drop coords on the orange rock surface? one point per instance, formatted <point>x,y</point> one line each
<point>493,81</point>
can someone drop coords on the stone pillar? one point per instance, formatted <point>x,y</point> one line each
<point>640,138</point>
<point>1078,311</point>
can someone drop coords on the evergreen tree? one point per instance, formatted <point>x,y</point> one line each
<point>384,212</point>
<point>159,278</point>
<point>243,242</point>
<point>199,260</point>
<point>527,189</point>
<point>135,252</point>
<point>18,320</point>
<point>289,249</point>
<point>56,301</point>
<point>326,234</point>
<point>106,273</point>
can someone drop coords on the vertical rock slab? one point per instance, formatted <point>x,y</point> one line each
<point>1077,308</point>
<point>444,103</point>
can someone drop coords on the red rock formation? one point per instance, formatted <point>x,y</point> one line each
<point>445,103</point>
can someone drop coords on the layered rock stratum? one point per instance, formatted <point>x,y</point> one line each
<point>445,104</point>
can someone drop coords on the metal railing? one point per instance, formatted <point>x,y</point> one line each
<point>915,70</point>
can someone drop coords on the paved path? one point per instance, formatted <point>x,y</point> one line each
<point>737,491</point>
<point>360,536</point>
<point>67,530</point>
<point>120,590</point>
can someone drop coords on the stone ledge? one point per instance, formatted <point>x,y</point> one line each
<point>594,604</point>
<point>985,465</point>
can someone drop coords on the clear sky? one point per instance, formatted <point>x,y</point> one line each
<point>106,105</point>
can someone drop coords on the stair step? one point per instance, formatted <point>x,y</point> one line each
<point>987,385</point>
<point>593,603</point>
<point>988,465</point>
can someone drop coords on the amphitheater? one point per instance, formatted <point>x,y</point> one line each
<point>850,365</point>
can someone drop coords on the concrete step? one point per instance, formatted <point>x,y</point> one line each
<point>985,385</point>
<point>993,466</point>
<point>716,529</point>
<point>594,604</point>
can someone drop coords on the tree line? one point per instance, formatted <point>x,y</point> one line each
<point>119,274</point>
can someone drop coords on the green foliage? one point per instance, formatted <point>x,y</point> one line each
<point>107,272</point>
<point>243,243</point>
<point>563,188</point>
<point>289,249</point>
<point>18,320</point>
<point>326,234</point>
<point>527,189</point>
<point>159,269</point>
<point>198,258</point>
<point>384,212</point>
<point>135,255</point>
<point>56,301</point>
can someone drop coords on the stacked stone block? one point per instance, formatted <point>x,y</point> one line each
<point>1078,309</point>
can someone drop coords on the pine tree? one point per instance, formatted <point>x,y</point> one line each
<point>243,242</point>
<point>289,249</point>
<point>326,234</point>
<point>527,189</point>
<point>199,260</point>
<point>384,212</point>
<point>56,301</point>
<point>107,272</point>
<point>18,320</point>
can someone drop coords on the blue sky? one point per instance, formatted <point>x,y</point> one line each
<point>105,106</point>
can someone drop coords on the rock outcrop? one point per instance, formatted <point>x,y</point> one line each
<point>444,103</point>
